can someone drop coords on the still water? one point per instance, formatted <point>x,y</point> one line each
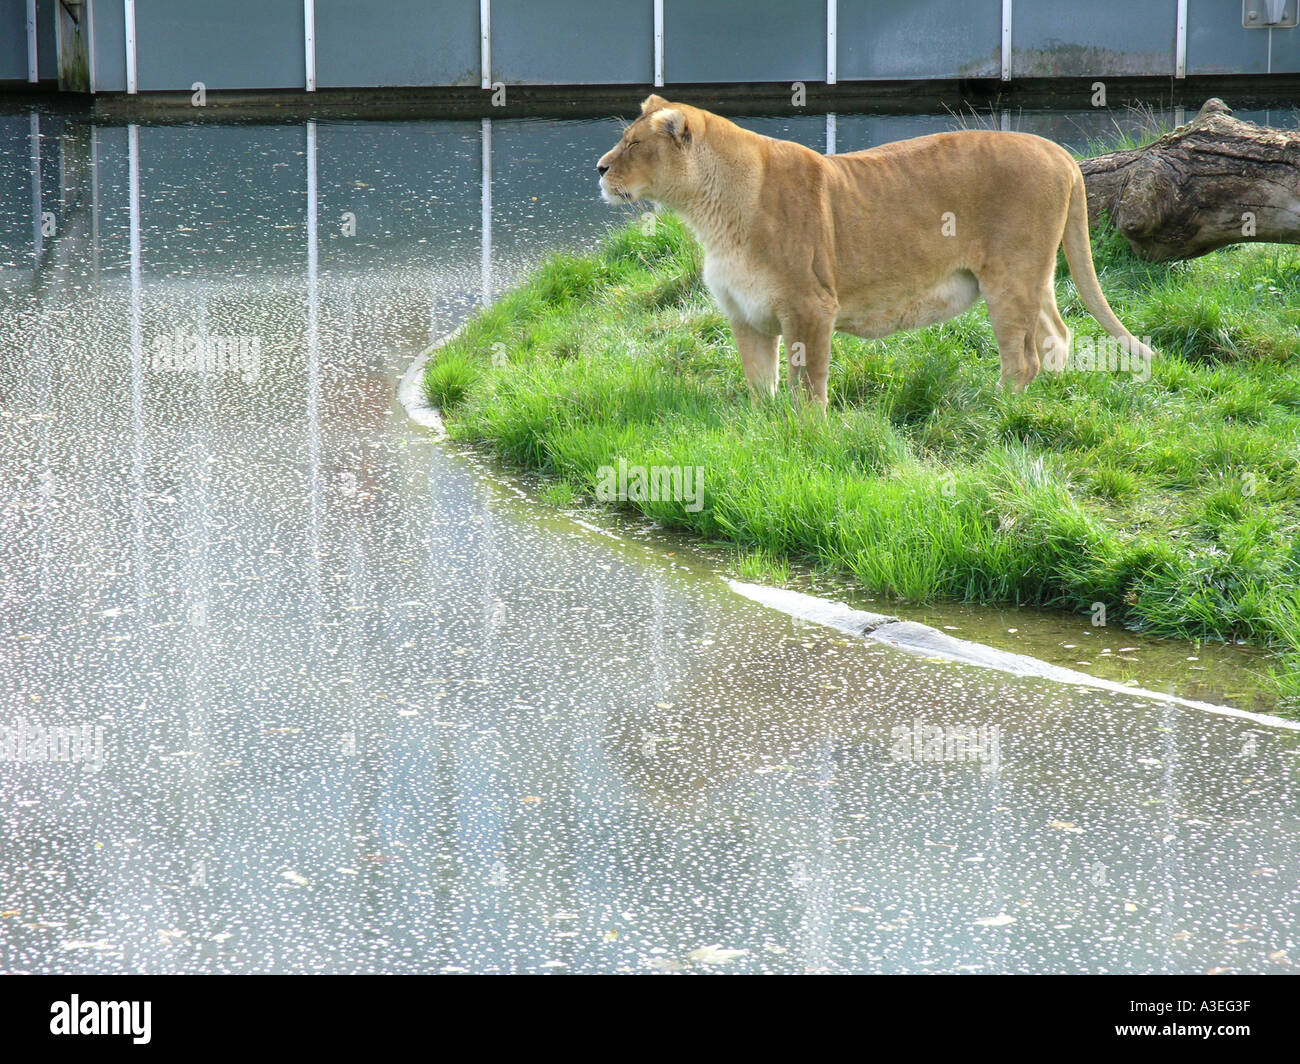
<point>343,699</point>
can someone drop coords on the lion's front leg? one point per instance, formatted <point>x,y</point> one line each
<point>808,352</point>
<point>758,354</point>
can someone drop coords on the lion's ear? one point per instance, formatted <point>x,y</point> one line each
<point>652,103</point>
<point>672,122</point>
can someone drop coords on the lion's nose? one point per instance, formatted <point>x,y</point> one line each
<point>602,169</point>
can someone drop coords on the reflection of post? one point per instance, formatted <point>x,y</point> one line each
<point>492,613</point>
<point>487,212</point>
<point>313,363</point>
<point>137,367</point>
<point>832,129</point>
<point>813,876</point>
<point>1171,810</point>
<point>992,866</point>
<point>94,201</point>
<point>657,655</point>
<point>194,796</point>
<point>34,135</point>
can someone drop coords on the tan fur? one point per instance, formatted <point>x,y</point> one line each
<point>798,245</point>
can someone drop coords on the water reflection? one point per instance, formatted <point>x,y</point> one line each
<point>367,709</point>
<point>408,184</point>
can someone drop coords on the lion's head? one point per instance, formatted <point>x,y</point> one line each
<point>653,156</point>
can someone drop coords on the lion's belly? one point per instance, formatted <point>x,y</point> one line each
<point>744,297</point>
<point>882,316</point>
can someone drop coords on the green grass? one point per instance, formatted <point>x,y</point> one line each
<point>559,493</point>
<point>1174,501</point>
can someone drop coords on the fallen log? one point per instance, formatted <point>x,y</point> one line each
<point>1212,182</point>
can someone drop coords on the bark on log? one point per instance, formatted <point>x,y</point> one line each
<point>1212,182</point>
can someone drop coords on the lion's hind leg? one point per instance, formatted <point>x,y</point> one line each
<point>1053,334</point>
<point>1015,319</point>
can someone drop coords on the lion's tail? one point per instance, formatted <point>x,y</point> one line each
<point>1078,253</point>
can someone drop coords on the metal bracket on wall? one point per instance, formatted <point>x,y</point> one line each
<point>1269,14</point>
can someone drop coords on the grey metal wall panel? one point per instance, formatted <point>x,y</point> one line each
<point>47,40</point>
<point>258,44</point>
<point>744,40</point>
<point>881,39</point>
<point>1285,45</point>
<point>108,41</point>
<point>13,40</point>
<point>238,44</point>
<point>1217,43</point>
<point>573,42</point>
<point>406,42</point>
<point>1101,37</point>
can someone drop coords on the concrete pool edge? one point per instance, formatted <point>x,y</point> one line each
<point>909,636</point>
<point>922,639</point>
<point>410,389</point>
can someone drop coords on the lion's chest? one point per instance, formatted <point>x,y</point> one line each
<point>741,292</point>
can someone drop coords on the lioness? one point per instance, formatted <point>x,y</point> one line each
<point>798,244</point>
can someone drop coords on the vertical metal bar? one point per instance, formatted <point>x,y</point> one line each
<point>58,44</point>
<point>1180,39</point>
<point>132,78</point>
<point>309,41</point>
<point>832,46</point>
<point>33,60</point>
<point>485,265</point>
<point>485,41</point>
<point>659,43</point>
<point>1006,40</point>
<point>832,131</point>
<point>90,45</point>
